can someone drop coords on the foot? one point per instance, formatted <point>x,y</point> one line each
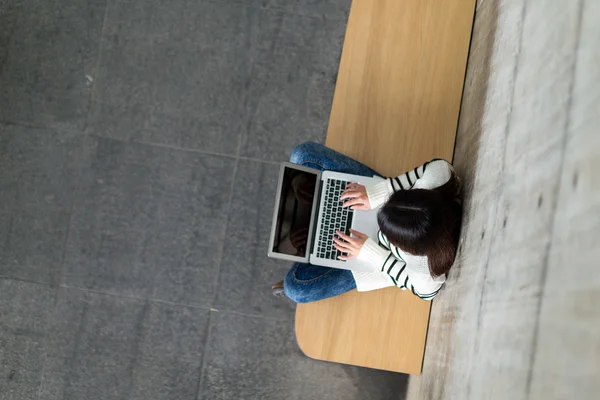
<point>278,290</point>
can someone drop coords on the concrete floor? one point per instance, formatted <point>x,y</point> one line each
<point>139,143</point>
<point>519,317</point>
<point>138,150</point>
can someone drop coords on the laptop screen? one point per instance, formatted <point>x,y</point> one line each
<point>294,212</point>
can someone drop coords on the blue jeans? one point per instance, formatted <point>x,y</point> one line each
<point>305,282</point>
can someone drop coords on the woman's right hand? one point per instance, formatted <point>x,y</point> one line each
<point>356,197</point>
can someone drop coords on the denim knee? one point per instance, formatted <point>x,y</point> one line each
<point>294,289</point>
<point>303,151</point>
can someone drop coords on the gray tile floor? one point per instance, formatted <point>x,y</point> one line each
<point>139,143</point>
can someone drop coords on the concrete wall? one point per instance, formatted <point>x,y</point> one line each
<point>520,315</point>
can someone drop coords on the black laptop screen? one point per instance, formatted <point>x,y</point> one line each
<point>294,213</point>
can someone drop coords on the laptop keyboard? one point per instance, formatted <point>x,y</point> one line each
<point>334,218</point>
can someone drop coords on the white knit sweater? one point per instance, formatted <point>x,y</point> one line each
<point>391,266</point>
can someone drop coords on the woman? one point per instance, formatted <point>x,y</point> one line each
<point>419,219</point>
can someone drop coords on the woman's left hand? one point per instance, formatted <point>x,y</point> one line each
<point>355,196</point>
<point>350,245</point>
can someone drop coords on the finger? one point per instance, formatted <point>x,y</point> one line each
<point>341,246</point>
<point>345,252</point>
<point>341,249</point>
<point>357,233</point>
<point>354,202</point>
<point>345,246</point>
<point>339,242</point>
<point>346,257</point>
<point>345,237</point>
<point>358,206</point>
<point>347,204</point>
<point>347,194</point>
<point>353,185</point>
<point>346,200</point>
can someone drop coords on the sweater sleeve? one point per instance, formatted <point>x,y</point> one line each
<point>430,175</point>
<point>429,295</point>
<point>383,260</point>
<point>390,264</point>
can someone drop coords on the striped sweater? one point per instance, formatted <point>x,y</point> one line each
<point>390,265</point>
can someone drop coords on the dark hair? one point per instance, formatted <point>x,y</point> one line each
<point>425,222</point>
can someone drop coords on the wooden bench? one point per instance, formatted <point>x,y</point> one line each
<point>396,105</point>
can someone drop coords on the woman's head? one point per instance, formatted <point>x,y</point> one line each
<point>424,222</point>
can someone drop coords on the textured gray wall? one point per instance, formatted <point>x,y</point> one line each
<point>520,316</point>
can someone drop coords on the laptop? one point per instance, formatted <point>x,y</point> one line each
<point>307,213</point>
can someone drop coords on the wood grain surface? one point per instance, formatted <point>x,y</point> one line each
<point>396,105</point>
